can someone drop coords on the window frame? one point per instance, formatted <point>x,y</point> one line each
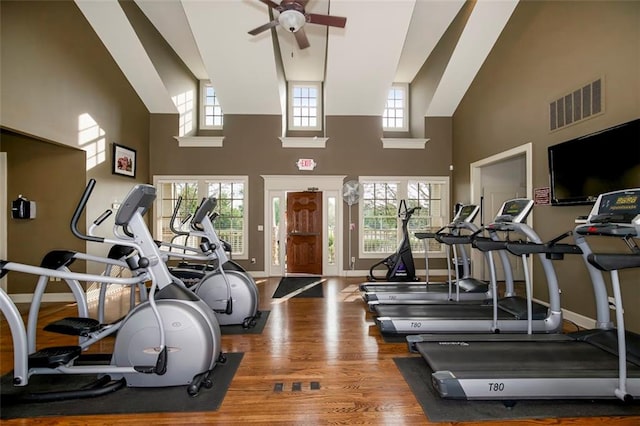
<point>202,191</point>
<point>402,193</point>
<point>404,87</point>
<point>204,85</point>
<point>291,86</point>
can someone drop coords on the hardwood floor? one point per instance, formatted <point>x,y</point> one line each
<point>330,340</point>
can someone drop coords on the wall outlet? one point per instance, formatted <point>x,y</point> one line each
<point>353,259</point>
<point>253,260</point>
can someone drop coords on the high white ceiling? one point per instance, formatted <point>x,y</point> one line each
<point>383,42</point>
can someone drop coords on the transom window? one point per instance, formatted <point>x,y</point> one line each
<point>232,195</point>
<point>211,116</point>
<point>380,226</point>
<point>394,116</point>
<point>305,106</point>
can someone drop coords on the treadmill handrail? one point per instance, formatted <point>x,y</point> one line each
<point>614,261</point>
<point>519,248</point>
<point>487,244</point>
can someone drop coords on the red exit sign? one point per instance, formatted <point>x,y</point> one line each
<point>306,164</point>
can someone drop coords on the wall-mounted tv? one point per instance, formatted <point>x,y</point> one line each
<point>583,168</point>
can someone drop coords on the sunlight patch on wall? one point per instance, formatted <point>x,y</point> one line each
<point>184,103</point>
<point>91,138</point>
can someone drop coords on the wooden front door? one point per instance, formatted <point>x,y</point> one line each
<point>304,232</point>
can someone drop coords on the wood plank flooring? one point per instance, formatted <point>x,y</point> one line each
<point>330,340</point>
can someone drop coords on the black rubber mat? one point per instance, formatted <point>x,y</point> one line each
<point>261,321</point>
<point>123,401</point>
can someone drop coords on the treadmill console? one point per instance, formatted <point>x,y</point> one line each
<point>614,213</point>
<point>512,211</point>
<point>466,214</point>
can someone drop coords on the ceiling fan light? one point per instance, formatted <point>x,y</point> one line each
<point>291,20</point>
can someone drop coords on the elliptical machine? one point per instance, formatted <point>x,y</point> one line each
<point>172,339</point>
<point>400,266</point>
<point>227,288</point>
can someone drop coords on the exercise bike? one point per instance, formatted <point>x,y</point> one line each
<point>400,266</point>
<point>171,339</point>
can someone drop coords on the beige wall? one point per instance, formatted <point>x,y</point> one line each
<point>54,69</point>
<point>31,164</point>
<point>547,49</point>
<point>251,147</point>
<point>55,74</point>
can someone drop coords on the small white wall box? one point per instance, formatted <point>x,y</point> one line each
<point>23,208</point>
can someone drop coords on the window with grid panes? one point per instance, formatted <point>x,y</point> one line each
<point>211,116</point>
<point>231,222</point>
<point>381,230</point>
<point>394,116</point>
<point>186,193</point>
<point>305,106</point>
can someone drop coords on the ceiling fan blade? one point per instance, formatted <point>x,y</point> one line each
<point>332,21</point>
<point>301,38</point>
<point>270,4</point>
<point>264,27</point>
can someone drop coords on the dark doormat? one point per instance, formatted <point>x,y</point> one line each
<point>239,329</point>
<point>299,287</point>
<point>123,401</point>
<point>417,374</point>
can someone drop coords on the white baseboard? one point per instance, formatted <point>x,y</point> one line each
<point>47,297</point>
<point>578,319</point>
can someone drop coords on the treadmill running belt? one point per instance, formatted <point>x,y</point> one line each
<point>452,311</point>
<point>521,359</point>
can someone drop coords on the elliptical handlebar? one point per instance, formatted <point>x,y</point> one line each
<point>82,204</point>
<point>405,213</point>
<point>175,215</point>
<point>412,210</point>
<point>103,217</point>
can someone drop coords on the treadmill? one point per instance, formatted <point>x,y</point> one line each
<point>602,363</point>
<point>463,289</point>
<point>508,314</point>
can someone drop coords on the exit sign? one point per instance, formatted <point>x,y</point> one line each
<point>306,164</point>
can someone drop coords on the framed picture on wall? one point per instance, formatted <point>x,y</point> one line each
<point>124,161</point>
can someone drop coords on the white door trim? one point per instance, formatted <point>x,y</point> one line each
<point>330,186</point>
<point>476,168</point>
<point>3,213</point>
<point>476,178</point>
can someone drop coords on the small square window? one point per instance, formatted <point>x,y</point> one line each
<point>393,116</point>
<point>211,116</point>
<point>305,106</point>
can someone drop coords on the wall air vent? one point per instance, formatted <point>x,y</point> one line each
<point>578,105</point>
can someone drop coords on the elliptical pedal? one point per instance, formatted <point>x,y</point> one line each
<point>54,356</point>
<point>74,326</point>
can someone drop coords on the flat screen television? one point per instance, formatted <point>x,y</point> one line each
<point>583,168</point>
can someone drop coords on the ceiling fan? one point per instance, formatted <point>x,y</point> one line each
<point>292,18</point>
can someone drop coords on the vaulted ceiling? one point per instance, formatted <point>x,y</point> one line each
<point>383,42</point>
